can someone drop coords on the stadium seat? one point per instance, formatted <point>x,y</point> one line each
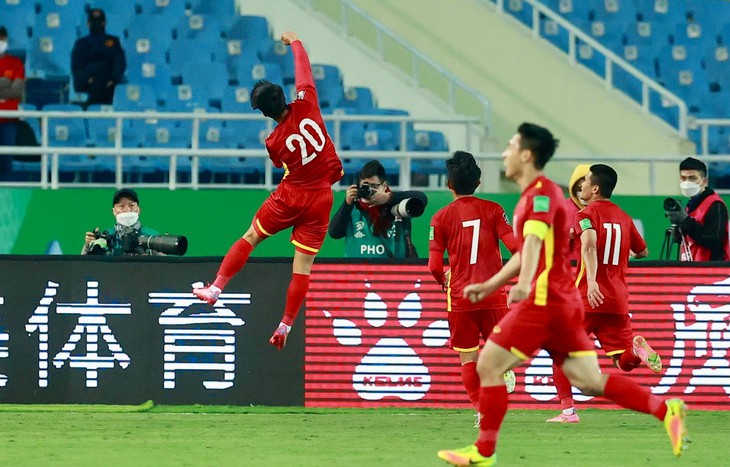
<point>146,43</point>
<point>70,132</point>
<point>62,21</point>
<point>615,11</point>
<point>250,134</point>
<point>163,134</point>
<point>134,97</point>
<point>223,11</point>
<point>119,14</point>
<point>264,71</point>
<point>172,8</point>
<point>389,135</point>
<point>328,80</point>
<point>520,10</point>
<point>554,33</point>
<point>19,41</point>
<point>50,56</point>
<point>237,100</point>
<point>216,135</point>
<point>717,65</point>
<point>157,76</point>
<point>359,98</point>
<point>184,98</point>
<point>236,55</point>
<point>663,11</point>
<point>212,84</point>
<point>252,30</point>
<point>183,51</point>
<point>205,29</point>
<point>282,55</point>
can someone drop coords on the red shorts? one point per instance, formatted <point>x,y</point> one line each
<point>308,211</point>
<point>613,331</point>
<point>557,328</point>
<point>467,326</point>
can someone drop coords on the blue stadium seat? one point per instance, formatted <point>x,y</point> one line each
<point>123,13</point>
<point>173,8</point>
<point>58,22</point>
<point>237,56</point>
<point>249,134</point>
<point>251,30</point>
<point>156,76</point>
<point>360,98</point>
<point>199,28</point>
<point>237,100</point>
<point>50,56</point>
<point>427,141</point>
<point>183,51</point>
<point>665,11</point>
<point>70,132</point>
<point>328,80</point>
<point>216,135</point>
<point>656,34</point>
<point>282,54</point>
<point>555,34</point>
<point>264,71</point>
<point>571,9</point>
<point>520,10</point>
<point>615,11</point>
<point>184,98</point>
<point>163,134</point>
<point>389,135</point>
<point>146,43</point>
<point>717,65</point>
<point>18,37</point>
<point>642,58</point>
<point>223,11</point>
<point>23,13</point>
<point>211,84</point>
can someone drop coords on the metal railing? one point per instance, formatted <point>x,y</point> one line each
<point>418,60</point>
<point>575,34</point>
<point>49,160</point>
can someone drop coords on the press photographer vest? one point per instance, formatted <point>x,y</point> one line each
<point>700,253</point>
<point>361,242</point>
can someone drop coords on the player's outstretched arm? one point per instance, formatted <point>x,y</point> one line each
<point>288,37</point>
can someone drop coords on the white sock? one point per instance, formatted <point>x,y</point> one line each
<point>569,411</point>
<point>288,328</point>
<point>215,289</point>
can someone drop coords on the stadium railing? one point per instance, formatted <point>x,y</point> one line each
<point>49,155</point>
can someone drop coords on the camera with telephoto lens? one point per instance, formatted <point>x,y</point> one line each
<point>409,207</point>
<point>671,205</point>
<point>365,191</point>
<point>136,243</point>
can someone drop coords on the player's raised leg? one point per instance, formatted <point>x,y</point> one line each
<point>646,354</point>
<point>583,372</point>
<point>233,262</point>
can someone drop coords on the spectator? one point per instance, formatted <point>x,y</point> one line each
<point>703,222</point>
<point>118,240</point>
<point>97,61</point>
<point>12,86</point>
<point>372,219</point>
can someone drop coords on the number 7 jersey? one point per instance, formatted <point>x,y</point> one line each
<point>615,236</point>
<point>300,143</point>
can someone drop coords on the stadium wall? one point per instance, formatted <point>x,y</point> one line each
<point>127,330</point>
<point>212,220</point>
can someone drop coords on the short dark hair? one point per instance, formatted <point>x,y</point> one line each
<point>539,140</point>
<point>691,163</point>
<point>605,177</point>
<point>463,173</point>
<point>372,169</point>
<point>3,31</point>
<point>268,98</point>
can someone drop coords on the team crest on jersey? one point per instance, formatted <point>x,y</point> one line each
<point>541,204</point>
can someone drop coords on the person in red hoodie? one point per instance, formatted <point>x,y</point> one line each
<point>12,86</point>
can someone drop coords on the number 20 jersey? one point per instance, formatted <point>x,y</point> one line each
<point>615,236</point>
<point>300,143</point>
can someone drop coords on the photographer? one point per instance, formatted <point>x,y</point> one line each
<point>703,223</point>
<point>122,239</point>
<point>375,221</point>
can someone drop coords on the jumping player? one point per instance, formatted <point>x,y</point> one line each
<point>303,200</point>
<point>469,230</point>
<point>547,311</point>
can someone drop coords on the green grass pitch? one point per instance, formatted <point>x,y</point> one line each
<point>150,435</point>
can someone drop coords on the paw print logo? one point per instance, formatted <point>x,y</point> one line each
<point>392,366</point>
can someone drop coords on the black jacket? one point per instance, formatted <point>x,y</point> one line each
<point>100,57</point>
<point>708,233</point>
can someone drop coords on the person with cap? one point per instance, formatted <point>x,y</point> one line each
<point>574,204</point>
<point>97,61</point>
<point>110,242</point>
<point>12,86</point>
<point>704,220</point>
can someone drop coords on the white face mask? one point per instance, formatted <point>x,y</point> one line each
<point>3,47</point>
<point>689,189</point>
<point>127,219</point>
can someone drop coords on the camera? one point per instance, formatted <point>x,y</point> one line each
<point>365,191</point>
<point>135,243</point>
<point>671,205</point>
<point>409,207</point>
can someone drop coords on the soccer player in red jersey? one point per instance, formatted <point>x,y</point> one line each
<point>607,237</point>
<point>547,311</point>
<point>469,229</point>
<point>303,199</point>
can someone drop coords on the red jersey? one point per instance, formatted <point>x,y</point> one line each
<point>469,229</point>
<point>12,69</point>
<point>300,143</point>
<point>542,204</point>
<point>615,236</point>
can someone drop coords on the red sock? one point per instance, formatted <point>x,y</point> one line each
<point>562,384</point>
<point>630,395</point>
<point>233,262</point>
<point>628,361</point>
<point>471,382</point>
<point>493,407</point>
<point>298,288</point>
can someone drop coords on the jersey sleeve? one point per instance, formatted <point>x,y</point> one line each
<point>504,230</point>
<point>583,222</point>
<point>303,78</point>
<point>436,248</point>
<point>539,213</point>
<point>638,244</point>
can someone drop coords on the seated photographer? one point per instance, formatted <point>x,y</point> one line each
<point>703,223</point>
<point>375,221</point>
<point>123,238</point>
